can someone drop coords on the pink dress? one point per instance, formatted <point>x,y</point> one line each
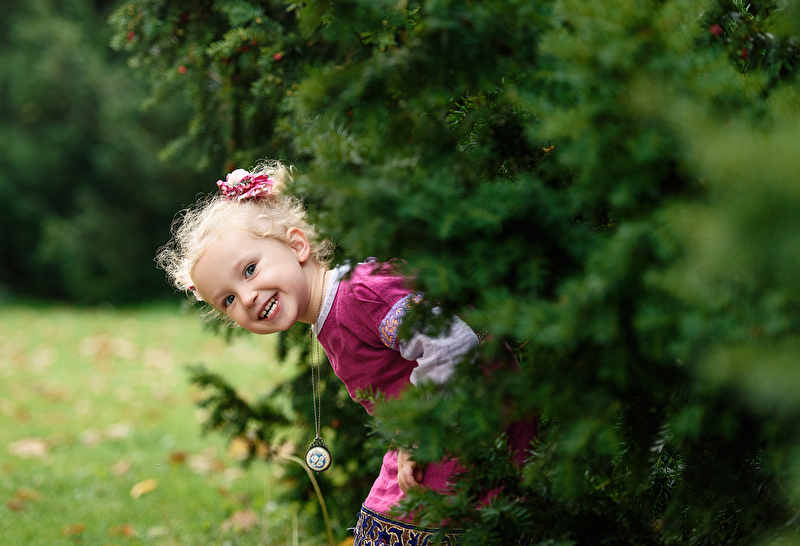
<point>358,328</point>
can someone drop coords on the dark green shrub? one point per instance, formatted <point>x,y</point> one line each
<point>606,186</point>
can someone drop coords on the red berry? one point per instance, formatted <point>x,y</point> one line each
<point>277,57</point>
<point>716,30</point>
<point>181,69</point>
<point>743,54</point>
<point>131,36</point>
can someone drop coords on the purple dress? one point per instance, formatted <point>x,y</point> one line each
<point>358,328</point>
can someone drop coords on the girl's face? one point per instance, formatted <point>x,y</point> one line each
<point>263,285</point>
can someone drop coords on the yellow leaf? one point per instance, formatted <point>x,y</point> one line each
<point>143,487</point>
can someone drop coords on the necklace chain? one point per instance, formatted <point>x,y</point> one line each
<point>315,365</point>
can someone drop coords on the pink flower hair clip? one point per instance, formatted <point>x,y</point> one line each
<point>240,185</point>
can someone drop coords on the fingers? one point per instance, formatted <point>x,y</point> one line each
<point>405,478</point>
<point>409,474</point>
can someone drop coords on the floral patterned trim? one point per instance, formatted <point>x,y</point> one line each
<point>375,529</point>
<point>390,325</point>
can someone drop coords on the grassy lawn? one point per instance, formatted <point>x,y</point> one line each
<point>100,437</point>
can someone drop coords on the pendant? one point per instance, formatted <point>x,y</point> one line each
<point>318,458</point>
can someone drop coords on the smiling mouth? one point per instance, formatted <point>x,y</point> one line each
<point>272,304</point>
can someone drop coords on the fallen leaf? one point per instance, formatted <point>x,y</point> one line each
<point>19,501</point>
<point>91,437</point>
<point>155,532</point>
<point>244,499</point>
<point>76,529</point>
<point>121,467</point>
<point>158,359</point>
<point>125,530</point>
<point>16,505</point>
<point>206,462</point>
<point>42,359</point>
<point>239,448</point>
<point>159,391</point>
<point>232,473</point>
<point>28,447</point>
<point>243,520</point>
<point>177,457</point>
<point>118,431</point>
<point>124,348</point>
<point>25,494</point>
<point>143,487</point>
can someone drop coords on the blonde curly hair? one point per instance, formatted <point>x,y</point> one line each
<point>271,216</point>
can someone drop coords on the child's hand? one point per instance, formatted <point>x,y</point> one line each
<point>409,474</point>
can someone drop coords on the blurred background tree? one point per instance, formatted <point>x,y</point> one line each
<point>84,200</point>
<point>610,187</point>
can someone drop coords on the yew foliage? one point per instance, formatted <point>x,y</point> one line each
<point>609,187</point>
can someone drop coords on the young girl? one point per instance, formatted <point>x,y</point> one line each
<point>251,254</point>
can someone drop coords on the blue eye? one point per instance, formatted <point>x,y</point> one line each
<point>228,301</point>
<point>250,270</point>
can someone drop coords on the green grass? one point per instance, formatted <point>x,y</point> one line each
<point>100,398</point>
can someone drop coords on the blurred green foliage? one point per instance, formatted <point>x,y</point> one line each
<point>610,187</point>
<point>84,201</point>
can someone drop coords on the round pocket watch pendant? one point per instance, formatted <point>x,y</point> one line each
<point>318,458</point>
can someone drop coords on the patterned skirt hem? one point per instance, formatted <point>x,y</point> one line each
<point>374,529</point>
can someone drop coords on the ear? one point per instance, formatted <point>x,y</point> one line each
<point>299,244</point>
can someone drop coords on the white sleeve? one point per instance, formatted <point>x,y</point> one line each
<point>437,357</point>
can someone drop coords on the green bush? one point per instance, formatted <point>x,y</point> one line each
<point>609,187</point>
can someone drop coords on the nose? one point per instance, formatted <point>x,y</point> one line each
<point>249,297</point>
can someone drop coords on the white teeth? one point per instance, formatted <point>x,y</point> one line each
<point>267,312</point>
